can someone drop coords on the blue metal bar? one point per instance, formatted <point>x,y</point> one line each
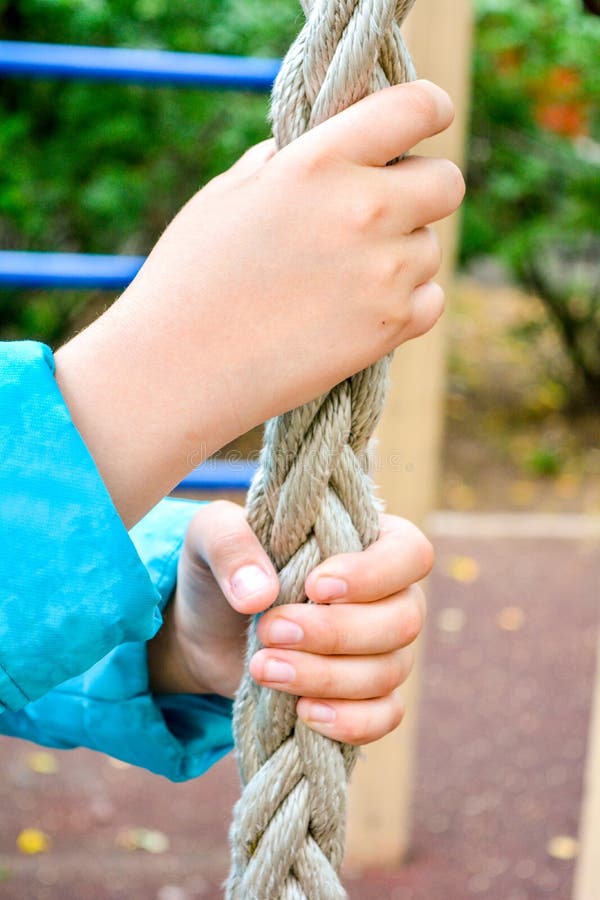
<point>71,270</point>
<point>19,268</point>
<point>220,475</point>
<point>140,66</point>
<point>80,270</point>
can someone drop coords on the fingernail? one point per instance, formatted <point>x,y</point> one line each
<point>328,588</point>
<point>283,632</point>
<point>321,712</point>
<point>278,671</point>
<point>248,581</point>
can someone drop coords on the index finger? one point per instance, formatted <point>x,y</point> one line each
<point>386,124</point>
<point>400,556</point>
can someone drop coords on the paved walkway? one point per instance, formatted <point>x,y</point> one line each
<point>510,660</point>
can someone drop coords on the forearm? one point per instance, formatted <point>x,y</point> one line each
<point>146,398</point>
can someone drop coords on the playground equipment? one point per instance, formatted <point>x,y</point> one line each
<point>409,433</point>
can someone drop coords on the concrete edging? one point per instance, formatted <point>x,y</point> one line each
<point>571,526</point>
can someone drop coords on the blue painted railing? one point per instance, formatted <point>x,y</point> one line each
<point>152,67</point>
<point>77,270</point>
<point>140,66</point>
<point>221,475</point>
<point>26,269</point>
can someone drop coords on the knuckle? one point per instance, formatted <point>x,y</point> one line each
<point>411,621</point>
<point>397,710</point>
<point>364,214</point>
<point>422,551</point>
<point>425,554</point>
<point>356,736</point>
<point>407,664</point>
<point>309,159</point>
<point>357,730</point>
<point>422,604</point>
<point>456,181</point>
<point>441,100</point>
<point>390,270</point>
<point>219,181</point>
<point>392,675</point>
<point>430,262</point>
<point>432,304</point>
<point>230,544</point>
<point>266,148</point>
<point>326,636</point>
<point>215,518</point>
<point>324,678</point>
<point>435,250</point>
<point>220,508</point>
<point>389,523</point>
<point>437,299</point>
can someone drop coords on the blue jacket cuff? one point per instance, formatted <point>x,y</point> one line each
<point>73,585</point>
<point>110,707</point>
<point>111,710</point>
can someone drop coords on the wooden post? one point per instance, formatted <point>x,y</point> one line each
<point>438,33</point>
<point>587,876</point>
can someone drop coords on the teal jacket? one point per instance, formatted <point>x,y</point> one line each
<point>80,596</point>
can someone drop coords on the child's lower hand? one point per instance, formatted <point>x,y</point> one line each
<point>345,655</point>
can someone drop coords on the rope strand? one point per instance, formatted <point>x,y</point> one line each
<point>311,498</point>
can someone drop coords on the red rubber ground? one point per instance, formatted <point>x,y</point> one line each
<point>502,745</point>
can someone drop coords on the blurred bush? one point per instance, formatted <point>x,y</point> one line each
<point>102,168</point>
<point>534,162</point>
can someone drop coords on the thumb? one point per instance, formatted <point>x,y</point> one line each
<point>382,126</point>
<point>221,538</point>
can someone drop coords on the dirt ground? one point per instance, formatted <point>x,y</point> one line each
<point>516,437</point>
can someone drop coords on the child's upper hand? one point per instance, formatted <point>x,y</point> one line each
<point>285,275</point>
<point>294,270</point>
<point>345,655</point>
<point>282,277</point>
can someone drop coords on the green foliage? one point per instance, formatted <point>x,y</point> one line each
<point>101,167</point>
<point>534,153</point>
<point>544,461</point>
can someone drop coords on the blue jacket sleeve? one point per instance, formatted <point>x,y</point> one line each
<point>110,707</point>
<point>80,596</point>
<point>72,584</point>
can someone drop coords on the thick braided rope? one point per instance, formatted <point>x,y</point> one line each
<point>311,498</point>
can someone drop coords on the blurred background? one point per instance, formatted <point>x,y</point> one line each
<point>101,168</point>
<point>507,684</point>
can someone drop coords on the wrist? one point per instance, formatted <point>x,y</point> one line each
<point>168,671</point>
<point>148,404</point>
